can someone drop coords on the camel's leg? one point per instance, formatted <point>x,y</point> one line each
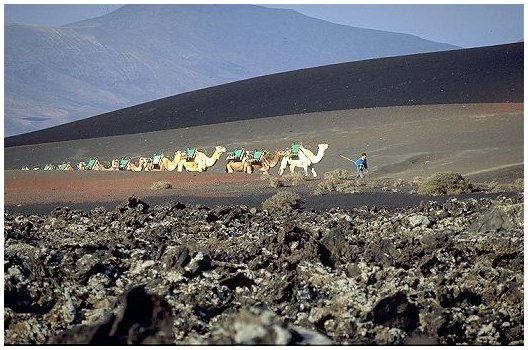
<point>229,169</point>
<point>284,163</point>
<point>292,168</point>
<point>305,167</point>
<point>200,165</point>
<point>313,171</point>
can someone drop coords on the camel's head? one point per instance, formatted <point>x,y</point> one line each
<point>323,146</point>
<point>220,149</point>
<point>81,166</point>
<point>115,163</point>
<point>179,155</point>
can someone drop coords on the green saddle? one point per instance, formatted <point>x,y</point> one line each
<point>48,167</point>
<point>64,166</point>
<point>91,163</point>
<point>123,163</point>
<point>256,156</point>
<point>156,160</point>
<point>294,149</point>
<point>236,155</point>
<point>190,153</point>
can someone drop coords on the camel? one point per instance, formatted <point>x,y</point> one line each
<point>170,165</point>
<point>155,163</point>
<point>201,162</point>
<point>65,166</point>
<point>267,162</point>
<point>237,161</point>
<point>148,165</point>
<point>114,166</point>
<point>133,167</point>
<point>305,160</point>
<point>96,165</point>
<point>264,164</point>
<point>25,167</point>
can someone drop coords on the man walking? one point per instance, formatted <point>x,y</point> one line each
<point>361,165</point>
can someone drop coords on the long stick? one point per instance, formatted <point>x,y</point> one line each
<point>346,158</point>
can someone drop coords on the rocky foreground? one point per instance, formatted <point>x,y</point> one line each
<point>439,273</point>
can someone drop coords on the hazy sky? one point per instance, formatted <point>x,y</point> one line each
<point>461,25</point>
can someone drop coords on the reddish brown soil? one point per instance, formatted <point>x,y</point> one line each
<point>28,187</point>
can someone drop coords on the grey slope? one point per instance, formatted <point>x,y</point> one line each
<point>139,53</point>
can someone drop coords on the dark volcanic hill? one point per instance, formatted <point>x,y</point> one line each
<point>480,75</point>
<point>140,53</point>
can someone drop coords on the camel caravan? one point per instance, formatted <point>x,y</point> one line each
<point>196,160</point>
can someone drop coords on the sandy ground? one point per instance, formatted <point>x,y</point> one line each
<point>483,142</point>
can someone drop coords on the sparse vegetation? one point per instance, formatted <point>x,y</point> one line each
<point>276,182</point>
<point>341,180</point>
<point>287,180</point>
<point>282,201</point>
<point>295,178</point>
<point>338,174</point>
<point>517,185</point>
<point>161,185</point>
<point>444,183</point>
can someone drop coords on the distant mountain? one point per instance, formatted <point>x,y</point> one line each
<point>139,53</point>
<point>480,75</point>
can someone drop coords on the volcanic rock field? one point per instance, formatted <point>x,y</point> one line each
<point>439,273</point>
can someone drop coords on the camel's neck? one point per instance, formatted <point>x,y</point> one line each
<point>319,155</point>
<point>212,161</point>
<point>275,159</point>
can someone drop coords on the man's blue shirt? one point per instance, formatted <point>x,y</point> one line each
<point>360,162</point>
